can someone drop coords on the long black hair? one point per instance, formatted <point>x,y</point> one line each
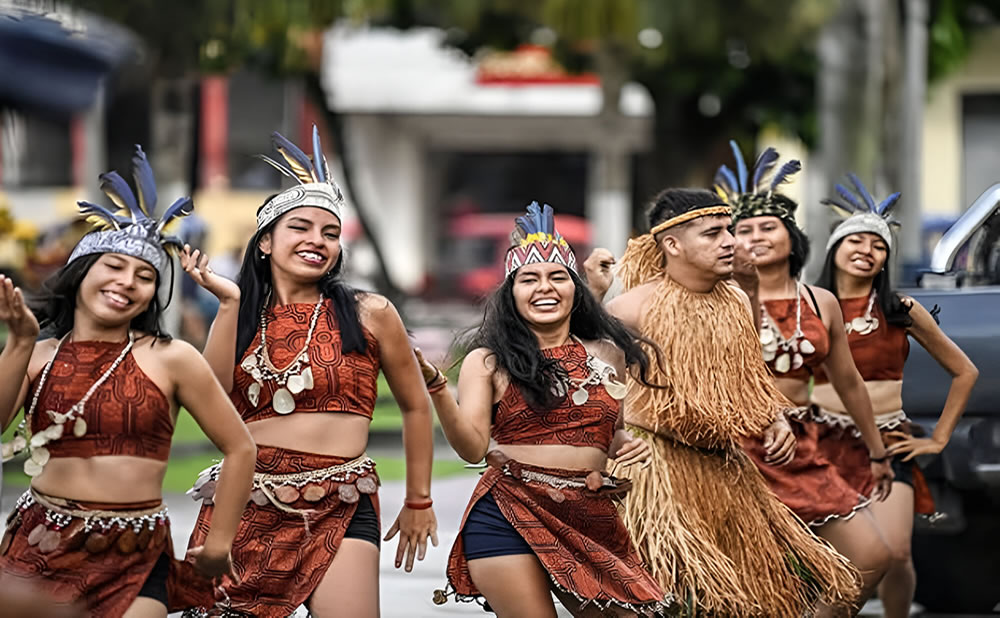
<point>895,310</point>
<point>508,337</point>
<point>255,285</point>
<point>55,304</point>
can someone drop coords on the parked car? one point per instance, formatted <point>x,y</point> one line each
<point>956,554</point>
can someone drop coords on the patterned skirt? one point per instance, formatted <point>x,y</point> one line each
<point>811,485</point>
<point>572,524</point>
<point>299,510</point>
<point>92,555</point>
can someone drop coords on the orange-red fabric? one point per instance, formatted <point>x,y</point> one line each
<point>106,582</point>
<point>782,313</point>
<point>343,382</point>
<point>278,557</point>
<point>589,424</point>
<point>879,355</point>
<point>127,415</point>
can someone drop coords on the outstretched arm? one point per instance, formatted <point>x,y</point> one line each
<point>220,347</point>
<point>22,331</point>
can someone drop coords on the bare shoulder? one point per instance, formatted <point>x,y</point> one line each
<point>824,297</point>
<point>43,352</point>
<point>482,360</point>
<point>176,353</point>
<point>629,306</point>
<point>374,309</point>
<point>607,351</point>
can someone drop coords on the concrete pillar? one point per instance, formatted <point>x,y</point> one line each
<point>910,209</point>
<point>609,198</point>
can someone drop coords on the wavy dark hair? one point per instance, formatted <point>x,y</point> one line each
<point>507,335</point>
<point>254,281</point>
<point>55,304</point>
<point>895,310</point>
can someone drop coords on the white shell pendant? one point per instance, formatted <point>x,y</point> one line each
<point>32,468</point>
<point>53,432</point>
<point>40,456</point>
<point>783,364</point>
<point>796,361</point>
<point>580,396</point>
<point>296,384</point>
<point>79,427</point>
<point>38,439</point>
<point>19,444</point>
<point>766,336</point>
<point>806,347</point>
<point>769,355</point>
<point>858,324</point>
<point>253,393</point>
<point>616,389</point>
<point>283,402</point>
<point>249,363</point>
<point>307,375</point>
<point>7,451</point>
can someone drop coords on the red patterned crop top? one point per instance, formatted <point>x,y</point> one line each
<point>589,424</point>
<point>783,312</point>
<point>127,415</point>
<point>341,382</point>
<point>878,355</point>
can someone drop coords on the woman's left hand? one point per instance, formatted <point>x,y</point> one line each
<point>414,527</point>
<point>913,446</point>
<point>635,450</point>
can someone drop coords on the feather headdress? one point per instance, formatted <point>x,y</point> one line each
<point>315,185</point>
<point>750,193</point>
<point>133,227</point>
<point>535,240</point>
<point>862,213</point>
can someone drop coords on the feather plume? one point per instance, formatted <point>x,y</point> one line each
<point>785,172</point>
<point>888,203</point>
<point>319,161</point>
<point>181,208</point>
<point>278,166</point>
<point>850,198</point>
<point>142,174</point>
<point>726,180</point>
<point>741,165</point>
<point>548,220</point>
<point>102,214</point>
<point>765,162</point>
<point>298,161</point>
<point>115,187</point>
<point>863,192</point>
<point>839,206</point>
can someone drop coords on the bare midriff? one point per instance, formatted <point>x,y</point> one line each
<point>323,433</point>
<point>106,478</point>
<point>886,396</point>
<point>556,455</point>
<point>796,391</point>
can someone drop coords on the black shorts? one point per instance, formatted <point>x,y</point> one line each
<point>488,534</point>
<point>155,586</point>
<point>903,471</point>
<point>365,524</point>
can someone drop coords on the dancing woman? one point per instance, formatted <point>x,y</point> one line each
<point>878,320</point>
<point>801,332</point>
<point>300,352</point>
<point>101,390</point>
<point>541,401</point>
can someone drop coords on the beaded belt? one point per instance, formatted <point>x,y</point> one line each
<point>594,481</point>
<point>886,421</point>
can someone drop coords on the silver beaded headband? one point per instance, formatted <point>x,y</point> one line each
<point>316,187</point>
<point>131,230</point>
<point>862,212</point>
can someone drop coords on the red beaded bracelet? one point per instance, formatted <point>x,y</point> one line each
<point>418,505</point>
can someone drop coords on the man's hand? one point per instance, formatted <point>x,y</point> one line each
<point>745,269</point>
<point>597,267</point>
<point>779,442</point>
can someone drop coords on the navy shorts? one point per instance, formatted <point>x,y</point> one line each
<point>364,525</point>
<point>488,534</point>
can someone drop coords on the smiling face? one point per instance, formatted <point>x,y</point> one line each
<point>304,244</point>
<point>704,243</point>
<point>543,293</point>
<point>116,289</point>
<point>861,255</point>
<point>767,238</point>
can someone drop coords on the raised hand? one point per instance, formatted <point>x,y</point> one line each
<point>427,369</point>
<point>745,267</point>
<point>14,312</point>
<point>195,263</point>
<point>597,267</point>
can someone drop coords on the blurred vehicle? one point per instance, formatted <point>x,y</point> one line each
<point>471,264</point>
<point>956,554</point>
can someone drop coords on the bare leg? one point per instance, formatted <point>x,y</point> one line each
<point>145,607</point>
<point>350,585</point>
<point>860,541</point>
<point>571,603</point>
<point>515,586</point>
<point>895,519</point>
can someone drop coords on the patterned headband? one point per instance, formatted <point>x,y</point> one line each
<point>753,195</point>
<point>132,230</point>
<point>316,187</point>
<point>536,240</point>
<point>863,214</point>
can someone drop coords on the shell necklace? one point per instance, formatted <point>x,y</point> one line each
<point>293,379</point>
<point>39,455</point>
<point>865,324</point>
<point>600,373</point>
<point>787,354</point>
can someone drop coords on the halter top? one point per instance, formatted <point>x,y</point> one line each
<point>782,313</point>
<point>127,415</point>
<point>879,355</point>
<point>589,424</point>
<point>341,382</point>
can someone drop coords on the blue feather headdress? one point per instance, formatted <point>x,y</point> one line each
<point>535,239</point>
<point>315,185</point>
<point>862,213</point>
<point>132,228</point>
<point>750,193</point>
